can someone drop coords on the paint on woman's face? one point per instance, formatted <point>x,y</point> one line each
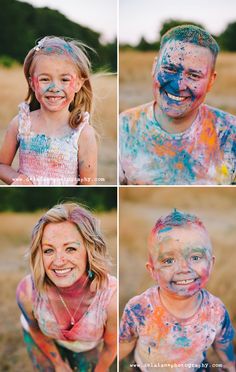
<point>55,81</point>
<point>182,262</point>
<point>182,77</point>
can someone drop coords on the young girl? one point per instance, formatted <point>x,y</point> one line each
<point>57,146</point>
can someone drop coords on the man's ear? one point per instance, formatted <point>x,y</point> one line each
<point>212,80</point>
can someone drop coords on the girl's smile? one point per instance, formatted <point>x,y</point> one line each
<point>55,81</point>
<point>64,254</point>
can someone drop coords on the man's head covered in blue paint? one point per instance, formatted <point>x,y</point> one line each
<point>194,35</point>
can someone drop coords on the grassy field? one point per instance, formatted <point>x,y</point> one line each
<point>136,82</point>
<point>14,90</point>
<point>15,231</point>
<point>141,207</point>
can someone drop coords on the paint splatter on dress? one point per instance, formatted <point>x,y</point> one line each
<point>48,160</point>
<point>204,154</point>
<point>164,339</point>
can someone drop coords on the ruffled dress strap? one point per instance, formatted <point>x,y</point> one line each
<point>82,125</point>
<point>24,118</point>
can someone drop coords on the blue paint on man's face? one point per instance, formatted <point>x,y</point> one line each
<point>171,80</point>
<point>182,77</point>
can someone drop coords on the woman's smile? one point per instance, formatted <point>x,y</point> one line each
<point>64,253</point>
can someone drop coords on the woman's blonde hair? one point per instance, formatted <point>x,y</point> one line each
<point>87,225</point>
<point>76,51</point>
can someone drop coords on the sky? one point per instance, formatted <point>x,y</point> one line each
<point>139,18</point>
<point>99,15</point>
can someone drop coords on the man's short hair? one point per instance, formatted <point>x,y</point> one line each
<point>194,35</point>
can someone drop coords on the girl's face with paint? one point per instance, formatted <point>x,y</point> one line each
<point>182,260</point>
<point>54,79</point>
<point>182,77</point>
<point>64,253</point>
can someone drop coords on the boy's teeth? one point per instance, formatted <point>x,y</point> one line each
<point>185,281</point>
<point>175,97</point>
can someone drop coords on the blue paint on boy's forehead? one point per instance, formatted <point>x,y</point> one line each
<point>180,218</point>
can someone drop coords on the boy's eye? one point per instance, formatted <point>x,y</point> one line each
<point>168,261</point>
<point>196,258</point>
<point>65,79</point>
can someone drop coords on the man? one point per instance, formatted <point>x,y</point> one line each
<point>177,139</point>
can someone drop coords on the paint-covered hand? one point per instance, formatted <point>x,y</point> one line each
<point>22,180</point>
<point>63,367</point>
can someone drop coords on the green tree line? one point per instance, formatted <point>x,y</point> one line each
<point>22,199</point>
<point>21,25</point>
<point>226,40</point>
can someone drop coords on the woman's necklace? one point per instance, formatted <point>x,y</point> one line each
<point>72,316</point>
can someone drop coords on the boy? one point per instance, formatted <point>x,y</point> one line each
<point>171,325</point>
<point>177,139</point>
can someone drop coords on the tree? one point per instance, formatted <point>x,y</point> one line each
<point>21,25</point>
<point>227,39</point>
<point>167,25</point>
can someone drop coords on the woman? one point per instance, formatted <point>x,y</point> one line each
<point>68,303</point>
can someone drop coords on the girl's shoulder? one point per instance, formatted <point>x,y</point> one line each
<point>24,122</point>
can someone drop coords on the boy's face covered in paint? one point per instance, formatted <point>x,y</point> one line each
<point>182,260</point>
<point>182,77</point>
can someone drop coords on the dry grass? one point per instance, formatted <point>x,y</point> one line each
<point>136,82</point>
<point>14,90</point>
<point>15,230</point>
<point>139,209</point>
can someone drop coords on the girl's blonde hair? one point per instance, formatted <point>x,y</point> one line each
<point>87,225</point>
<point>74,50</point>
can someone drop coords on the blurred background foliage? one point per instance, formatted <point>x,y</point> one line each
<point>22,199</point>
<point>21,25</point>
<point>226,40</point>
